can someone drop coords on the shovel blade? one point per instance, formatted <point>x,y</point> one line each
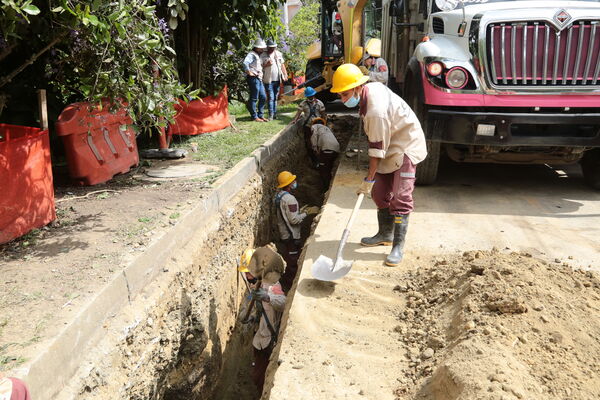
<point>324,269</point>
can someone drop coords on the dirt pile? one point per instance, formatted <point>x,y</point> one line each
<point>489,325</point>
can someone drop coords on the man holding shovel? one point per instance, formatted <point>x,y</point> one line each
<point>396,146</point>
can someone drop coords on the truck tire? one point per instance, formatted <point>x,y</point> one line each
<point>590,166</point>
<point>427,169</point>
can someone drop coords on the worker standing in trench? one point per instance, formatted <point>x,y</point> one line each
<point>396,146</point>
<point>263,268</point>
<point>289,224</point>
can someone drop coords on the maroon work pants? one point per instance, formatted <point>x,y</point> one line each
<point>394,190</point>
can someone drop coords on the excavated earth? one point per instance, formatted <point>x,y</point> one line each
<point>488,325</point>
<point>458,319</point>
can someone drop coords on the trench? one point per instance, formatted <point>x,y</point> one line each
<point>234,381</point>
<point>188,341</point>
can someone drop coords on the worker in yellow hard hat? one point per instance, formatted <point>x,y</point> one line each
<point>376,66</point>
<point>396,146</point>
<point>289,222</point>
<point>266,266</point>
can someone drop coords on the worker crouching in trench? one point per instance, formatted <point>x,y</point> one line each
<point>262,269</point>
<point>326,148</point>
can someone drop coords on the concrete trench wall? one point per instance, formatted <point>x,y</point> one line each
<point>170,339</point>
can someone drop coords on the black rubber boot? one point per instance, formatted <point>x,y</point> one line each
<point>385,234</point>
<point>400,228</point>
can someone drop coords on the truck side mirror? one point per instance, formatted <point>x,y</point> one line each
<point>397,8</point>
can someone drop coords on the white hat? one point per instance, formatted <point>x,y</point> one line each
<point>259,44</point>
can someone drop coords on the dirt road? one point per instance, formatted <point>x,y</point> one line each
<point>342,339</point>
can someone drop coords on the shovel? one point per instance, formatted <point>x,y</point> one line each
<point>324,269</point>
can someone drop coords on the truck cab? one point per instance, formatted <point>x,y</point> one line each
<point>499,81</point>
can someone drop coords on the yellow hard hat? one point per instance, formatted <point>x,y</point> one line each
<point>373,47</point>
<point>285,178</point>
<point>346,77</point>
<point>245,260</point>
<point>356,55</point>
<point>318,120</point>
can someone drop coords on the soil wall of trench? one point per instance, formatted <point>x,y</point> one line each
<point>180,337</point>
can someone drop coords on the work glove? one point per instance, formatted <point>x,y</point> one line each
<point>261,295</point>
<point>309,210</point>
<point>366,187</point>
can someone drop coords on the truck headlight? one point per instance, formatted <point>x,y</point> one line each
<point>457,78</point>
<point>435,68</point>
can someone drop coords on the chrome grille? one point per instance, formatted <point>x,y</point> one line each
<point>537,53</point>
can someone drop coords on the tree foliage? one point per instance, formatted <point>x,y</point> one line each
<point>89,50</point>
<point>94,50</point>
<point>214,37</point>
<point>304,31</point>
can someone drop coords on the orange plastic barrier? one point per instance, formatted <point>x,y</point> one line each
<point>27,199</point>
<point>99,144</point>
<point>299,80</point>
<point>204,115</point>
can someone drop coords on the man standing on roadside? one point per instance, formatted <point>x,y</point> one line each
<point>254,75</point>
<point>396,146</point>
<point>274,73</point>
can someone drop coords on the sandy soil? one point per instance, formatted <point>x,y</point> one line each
<point>487,325</point>
<point>514,323</point>
<point>48,276</point>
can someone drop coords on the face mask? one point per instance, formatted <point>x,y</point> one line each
<point>294,185</point>
<point>352,102</point>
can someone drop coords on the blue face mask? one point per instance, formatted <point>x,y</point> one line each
<point>352,102</point>
<point>294,185</point>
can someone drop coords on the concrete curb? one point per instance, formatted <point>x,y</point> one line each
<point>50,371</point>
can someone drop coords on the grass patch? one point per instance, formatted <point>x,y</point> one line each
<point>228,146</point>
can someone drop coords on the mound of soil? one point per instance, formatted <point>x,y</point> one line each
<point>488,325</point>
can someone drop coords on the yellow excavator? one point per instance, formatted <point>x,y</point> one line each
<point>343,32</point>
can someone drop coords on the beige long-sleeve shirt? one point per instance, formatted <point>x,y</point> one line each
<point>323,139</point>
<point>289,217</point>
<point>392,128</point>
<point>273,308</point>
<point>379,71</point>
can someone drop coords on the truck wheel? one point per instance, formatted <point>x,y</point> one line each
<point>427,169</point>
<point>590,165</point>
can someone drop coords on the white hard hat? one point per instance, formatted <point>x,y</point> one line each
<point>259,44</point>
